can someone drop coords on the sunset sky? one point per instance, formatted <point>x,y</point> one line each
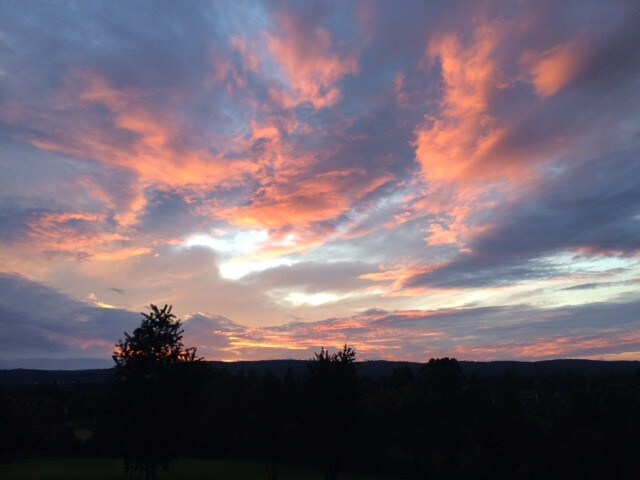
<point>416,179</point>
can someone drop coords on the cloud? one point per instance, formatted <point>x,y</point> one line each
<point>38,320</point>
<point>432,157</point>
<point>147,127</point>
<point>452,146</point>
<point>313,277</point>
<point>556,67</point>
<point>469,334</point>
<point>595,216</point>
<point>312,69</point>
<point>136,135</point>
<point>512,188</point>
<point>88,106</point>
<point>323,197</point>
<point>492,140</point>
<point>37,317</point>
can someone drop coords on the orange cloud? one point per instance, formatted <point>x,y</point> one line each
<point>126,205</point>
<point>154,146</point>
<point>469,155</point>
<point>147,140</point>
<point>552,70</point>
<point>158,154</point>
<point>579,346</point>
<point>456,149</point>
<point>448,145</point>
<point>307,201</point>
<point>79,234</point>
<point>397,277</point>
<point>308,60</point>
<point>371,333</point>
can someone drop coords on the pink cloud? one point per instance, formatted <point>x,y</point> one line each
<point>470,154</point>
<point>139,136</point>
<point>79,234</point>
<point>577,346</point>
<point>402,335</point>
<point>372,333</point>
<point>306,201</point>
<point>158,154</point>
<point>449,146</point>
<point>294,189</point>
<point>310,63</point>
<point>554,68</point>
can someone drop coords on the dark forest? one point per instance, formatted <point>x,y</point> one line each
<point>438,423</point>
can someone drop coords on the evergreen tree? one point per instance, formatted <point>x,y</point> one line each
<point>153,377</point>
<point>333,406</point>
<point>155,343</point>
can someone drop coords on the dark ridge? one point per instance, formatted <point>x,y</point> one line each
<point>22,376</point>
<point>373,369</point>
<point>550,367</point>
<point>262,367</point>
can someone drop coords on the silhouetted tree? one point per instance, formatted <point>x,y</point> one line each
<point>273,417</point>
<point>152,378</point>
<point>437,419</point>
<point>155,343</point>
<point>333,399</point>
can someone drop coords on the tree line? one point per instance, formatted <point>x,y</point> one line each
<point>164,404</point>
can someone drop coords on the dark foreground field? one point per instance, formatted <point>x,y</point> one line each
<point>105,469</point>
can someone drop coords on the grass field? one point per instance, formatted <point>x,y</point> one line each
<point>106,469</point>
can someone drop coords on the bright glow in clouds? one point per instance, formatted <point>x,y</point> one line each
<point>235,269</point>
<point>455,179</point>
<point>233,243</point>
<point>239,251</point>
<point>298,298</point>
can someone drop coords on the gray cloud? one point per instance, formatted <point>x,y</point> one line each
<point>468,333</point>
<point>593,206</point>
<point>313,277</point>
<point>38,321</point>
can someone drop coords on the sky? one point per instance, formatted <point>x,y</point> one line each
<point>416,179</point>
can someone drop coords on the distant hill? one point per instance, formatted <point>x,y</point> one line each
<point>551,367</point>
<point>23,376</point>
<point>381,368</point>
<point>373,369</point>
